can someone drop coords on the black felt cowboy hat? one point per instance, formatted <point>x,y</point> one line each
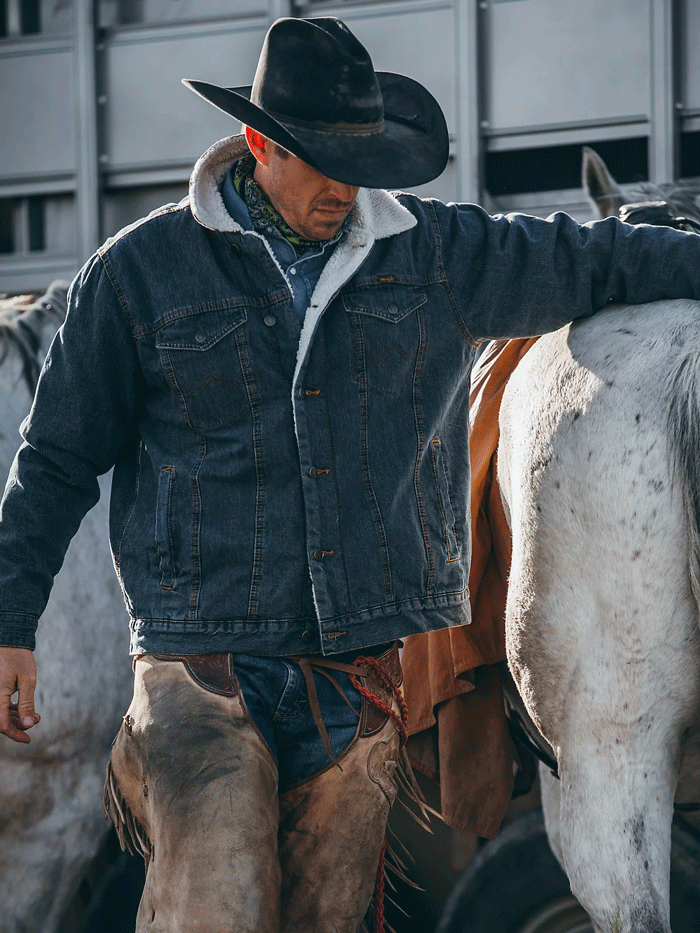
<point>316,93</point>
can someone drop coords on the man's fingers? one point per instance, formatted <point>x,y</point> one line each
<point>17,675</point>
<point>11,726</point>
<point>15,717</point>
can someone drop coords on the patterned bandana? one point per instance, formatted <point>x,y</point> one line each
<point>264,215</point>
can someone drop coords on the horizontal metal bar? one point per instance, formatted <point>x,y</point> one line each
<point>491,132</point>
<point>137,34</point>
<point>146,175</point>
<point>354,10</point>
<point>28,263</point>
<point>17,187</point>
<point>565,137</point>
<point>15,47</point>
<point>690,124</point>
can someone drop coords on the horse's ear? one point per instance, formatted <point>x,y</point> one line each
<point>601,188</point>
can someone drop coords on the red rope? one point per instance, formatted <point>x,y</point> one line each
<point>401,722</point>
<point>379,893</point>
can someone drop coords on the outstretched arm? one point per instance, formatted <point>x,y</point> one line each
<point>17,675</point>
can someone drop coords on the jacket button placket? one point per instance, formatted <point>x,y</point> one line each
<point>319,494</point>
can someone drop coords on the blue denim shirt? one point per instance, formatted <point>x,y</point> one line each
<point>276,492</point>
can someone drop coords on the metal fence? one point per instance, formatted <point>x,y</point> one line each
<point>97,129</point>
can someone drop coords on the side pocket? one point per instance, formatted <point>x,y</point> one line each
<point>444,502</point>
<point>164,537</point>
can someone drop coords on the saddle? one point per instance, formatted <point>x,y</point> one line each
<point>459,733</point>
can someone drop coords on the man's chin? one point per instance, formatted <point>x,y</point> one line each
<point>325,231</point>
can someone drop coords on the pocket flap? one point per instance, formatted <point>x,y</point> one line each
<point>200,331</point>
<point>389,303</point>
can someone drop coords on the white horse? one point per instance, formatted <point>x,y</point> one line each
<point>52,821</point>
<point>599,469</point>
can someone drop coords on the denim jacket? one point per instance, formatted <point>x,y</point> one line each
<point>274,493</point>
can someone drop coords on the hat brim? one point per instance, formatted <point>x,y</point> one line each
<point>411,149</point>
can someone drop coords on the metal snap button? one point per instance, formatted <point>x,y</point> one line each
<point>293,271</point>
<point>313,472</point>
<point>306,636</point>
<point>318,554</point>
<point>270,320</point>
<point>392,309</point>
<point>200,338</point>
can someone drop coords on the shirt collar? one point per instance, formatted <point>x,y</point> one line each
<point>248,204</point>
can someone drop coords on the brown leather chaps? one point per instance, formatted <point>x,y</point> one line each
<point>193,787</point>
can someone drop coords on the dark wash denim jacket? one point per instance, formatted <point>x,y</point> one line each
<point>271,495</point>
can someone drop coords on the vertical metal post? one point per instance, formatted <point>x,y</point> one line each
<point>663,140</point>
<point>20,223</point>
<point>87,178</point>
<point>279,8</point>
<point>14,18</point>
<point>468,145</point>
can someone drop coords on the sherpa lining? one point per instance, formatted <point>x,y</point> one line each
<point>376,213</point>
<point>375,216</point>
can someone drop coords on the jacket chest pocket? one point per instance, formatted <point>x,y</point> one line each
<point>389,335</point>
<point>205,358</point>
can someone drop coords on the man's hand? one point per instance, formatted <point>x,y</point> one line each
<point>17,675</point>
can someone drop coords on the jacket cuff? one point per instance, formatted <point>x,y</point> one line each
<point>17,630</point>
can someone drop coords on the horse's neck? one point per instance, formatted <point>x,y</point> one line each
<point>16,393</point>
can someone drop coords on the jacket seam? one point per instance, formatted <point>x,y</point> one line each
<point>466,333</point>
<point>195,530</point>
<point>163,514</point>
<point>396,604</point>
<point>118,290</point>
<point>364,444</point>
<point>129,513</point>
<point>393,279</point>
<point>341,537</point>
<point>253,400</point>
<point>420,438</point>
<point>441,505</point>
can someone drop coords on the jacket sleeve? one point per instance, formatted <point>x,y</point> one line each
<point>83,412</point>
<point>519,276</point>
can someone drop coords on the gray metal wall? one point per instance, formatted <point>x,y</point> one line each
<point>97,129</point>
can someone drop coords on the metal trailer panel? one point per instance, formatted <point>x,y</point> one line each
<point>155,12</point>
<point>152,121</point>
<point>548,62</point>
<point>37,110</point>
<point>689,43</point>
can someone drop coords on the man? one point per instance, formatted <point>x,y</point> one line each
<point>278,370</point>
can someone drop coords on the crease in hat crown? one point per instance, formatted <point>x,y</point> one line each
<point>306,67</point>
<point>316,93</point>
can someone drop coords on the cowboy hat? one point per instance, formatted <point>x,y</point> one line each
<point>316,94</point>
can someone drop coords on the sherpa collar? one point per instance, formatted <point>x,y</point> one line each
<point>376,213</point>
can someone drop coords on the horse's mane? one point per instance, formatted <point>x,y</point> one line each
<point>22,319</point>
<point>683,200</point>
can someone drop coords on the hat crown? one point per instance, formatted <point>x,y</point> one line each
<point>314,72</point>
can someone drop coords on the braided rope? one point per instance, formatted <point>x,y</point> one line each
<point>401,722</point>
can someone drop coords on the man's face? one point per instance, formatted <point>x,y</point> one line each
<point>312,205</point>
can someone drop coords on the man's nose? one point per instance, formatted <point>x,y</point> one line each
<point>342,192</point>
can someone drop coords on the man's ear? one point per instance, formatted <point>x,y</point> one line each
<point>258,144</point>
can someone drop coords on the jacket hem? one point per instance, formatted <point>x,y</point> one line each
<point>307,637</point>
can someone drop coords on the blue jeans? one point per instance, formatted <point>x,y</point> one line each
<point>275,694</point>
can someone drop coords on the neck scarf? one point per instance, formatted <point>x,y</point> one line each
<point>264,215</point>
